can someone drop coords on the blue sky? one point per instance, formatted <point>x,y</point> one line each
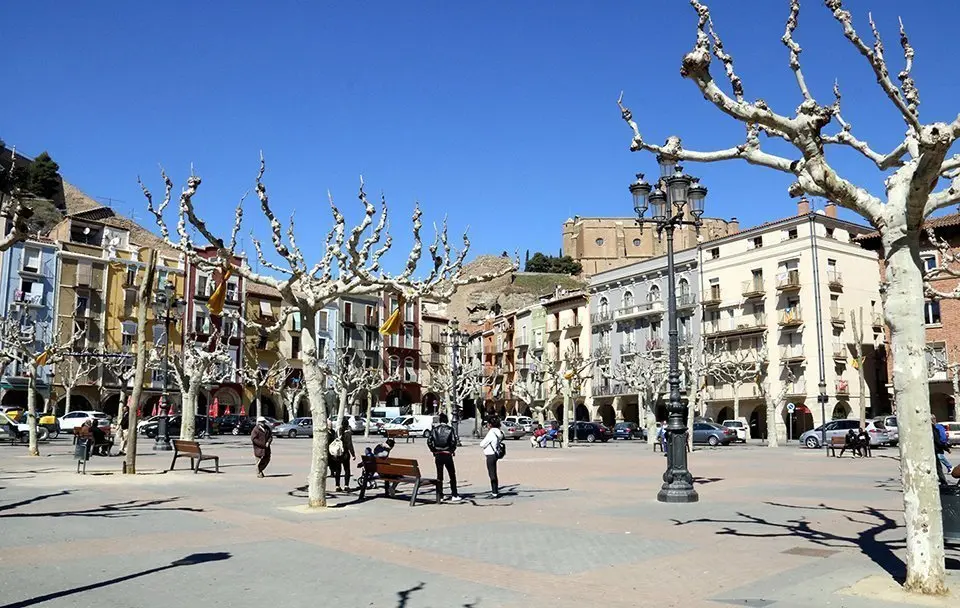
<point>500,116</point>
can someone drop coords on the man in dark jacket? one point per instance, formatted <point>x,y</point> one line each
<point>261,437</point>
<point>443,443</point>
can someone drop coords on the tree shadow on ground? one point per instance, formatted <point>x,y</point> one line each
<point>196,558</point>
<point>129,508</point>
<point>881,552</point>
<point>403,597</point>
<point>27,501</point>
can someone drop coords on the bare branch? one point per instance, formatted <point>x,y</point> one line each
<point>876,60</point>
<point>795,49</point>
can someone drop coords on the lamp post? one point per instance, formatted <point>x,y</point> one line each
<point>170,308</point>
<point>677,200</point>
<point>455,339</point>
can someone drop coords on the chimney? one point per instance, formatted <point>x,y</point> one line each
<point>733,226</point>
<point>830,209</point>
<point>803,206</point>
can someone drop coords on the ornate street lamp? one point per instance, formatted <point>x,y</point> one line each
<point>675,192</point>
<point>170,308</point>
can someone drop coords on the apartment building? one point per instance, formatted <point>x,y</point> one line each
<point>941,320</point>
<point>567,334</point>
<point>357,320</point>
<point>786,289</point>
<point>264,350</point>
<point>28,281</point>
<point>628,318</point>
<point>434,352</point>
<point>605,243</point>
<point>529,325</point>
<point>401,355</point>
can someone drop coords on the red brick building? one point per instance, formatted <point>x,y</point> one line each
<point>401,356</point>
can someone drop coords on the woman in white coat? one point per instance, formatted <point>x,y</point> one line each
<point>491,448</point>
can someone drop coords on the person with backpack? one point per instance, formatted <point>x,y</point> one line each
<point>261,437</point>
<point>493,450</point>
<point>442,441</point>
<point>341,453</point>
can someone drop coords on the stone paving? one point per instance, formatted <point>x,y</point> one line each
<point>578,527</point>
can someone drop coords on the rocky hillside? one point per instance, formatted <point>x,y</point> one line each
<point>472,303</point>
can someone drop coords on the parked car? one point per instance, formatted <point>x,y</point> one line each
<point>712,433</point>
<point>72,420</point>
<point>590,432</point>
<point>416,425</point>
<point>8,428</point>
<point>298,427</point>
<point>628,430</point>
<point>145,422</point>
<point>524,422</point>
<point>839,428</point>
<point>893,431</point>
<point>512,430</point>
<point>173,426</point>
<point>953,432</point>
<point>739,426</point>
<point>235,424</point>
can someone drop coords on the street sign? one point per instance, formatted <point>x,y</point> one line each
<point>791,407</point>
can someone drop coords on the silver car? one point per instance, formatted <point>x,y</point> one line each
<point>298,427</point>
<point>838,428</point>
<point>893,431</point>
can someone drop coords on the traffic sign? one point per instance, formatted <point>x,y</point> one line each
<point>791,407</point>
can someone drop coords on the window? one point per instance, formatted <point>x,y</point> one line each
<point>636,242</point>
<point>265,309</point>
<point>368,362</point>
<point>322,348</point>
<point>831,264</point>
<point>369,340</point>
<point>654,294</point>
<point>295,322</point>
<point>829,230</point>
<point>410,314</point>
<point>408,337</point>
<point>394,365</point>
<point>599,242</point>
<point>79,335</point>
<point>714,253</point>
<point>347,312</point>
<point>159,334</point>
<point>201,322</point>
<point>82,303</point>
<point>31,259</point>
<point>233,290</point>
<point>627,299</point>
<point>128,331</point>
<point>228,328</point>
<point>294,347</point>
<point>163,277</point>
<point>603,308</point>
<point>792,233</point>
<point>262,340</point>
<point>371,318</point>
<point>131,278</point>
<point>757,242</point>
<point>347,336</point>
<point>929,261</point>
<point>203,285</point>
<point>409,373</point>
<point>931,312</point>
<point>84,273</point>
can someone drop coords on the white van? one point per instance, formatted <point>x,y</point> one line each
<point>416,425</point>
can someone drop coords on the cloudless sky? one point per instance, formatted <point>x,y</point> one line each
<point>499,115</point>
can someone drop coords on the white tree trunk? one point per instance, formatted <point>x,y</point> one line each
<point>188,412</point>
<point>649,419</point>
<point>921,497</point>
<point>34,448</point>
<point>366,429</point>
<point>315,383</point>
<point>69,396</point>
<point>342,409</point>
<point>140,366</point>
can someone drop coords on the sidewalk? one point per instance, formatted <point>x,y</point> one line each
<point>579,526</point>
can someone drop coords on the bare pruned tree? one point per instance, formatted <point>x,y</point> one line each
<point>455,386</point>
<point>200,363</point>
<point>643,373</point>
<point>351,264</point>
<point>528,386</point>
<point>259,372</point>
<point>913,170</point>
<point>565,377</point>
<point>736,363</point>
<point>73,370</point>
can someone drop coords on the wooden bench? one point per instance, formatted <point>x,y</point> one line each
<point>558,438</point>
<point>101,449</point>
<point>393,471</point>
<point>841,443</point>
<point>401,434</point>
<point>191,450</point>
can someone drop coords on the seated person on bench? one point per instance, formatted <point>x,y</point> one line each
<point>850,442</point>
<point>863,442</point>
<point>383,451</point>
<point>100,447</point>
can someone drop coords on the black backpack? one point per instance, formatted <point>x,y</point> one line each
<point>442,439</point>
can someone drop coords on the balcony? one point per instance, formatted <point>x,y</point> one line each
<point>840,352</point>
<point>371,320</point>
<point>435,359</point>
<point>792,353</point>
<point>842,388</point>
<point>792,317</point>
<point>522,341</point>
<point>27,298</point>
<point>602,352</point>
<point>795,389</point>
<point>654,307</point>
<point>836,316</point>
<point>788,281</point>
<point>834,279</point>
<point>654,344</point>
<point>601,318</point>
<point>744,324</point>
<point>628,348</point>
<point>600,390</point>
<point>711,297</point>
<point>686,300</point>
<point>753,289</point>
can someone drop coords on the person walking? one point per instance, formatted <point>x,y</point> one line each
<point>493,449</point>
<point>940,446</point>
<point>341,451</point>
<point>442,441</point>
<point>122,427</point>
<point>261,437</point>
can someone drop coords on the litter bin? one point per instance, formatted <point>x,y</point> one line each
<point>950,504</point>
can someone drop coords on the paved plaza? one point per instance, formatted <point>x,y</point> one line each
<point>581,527</point>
